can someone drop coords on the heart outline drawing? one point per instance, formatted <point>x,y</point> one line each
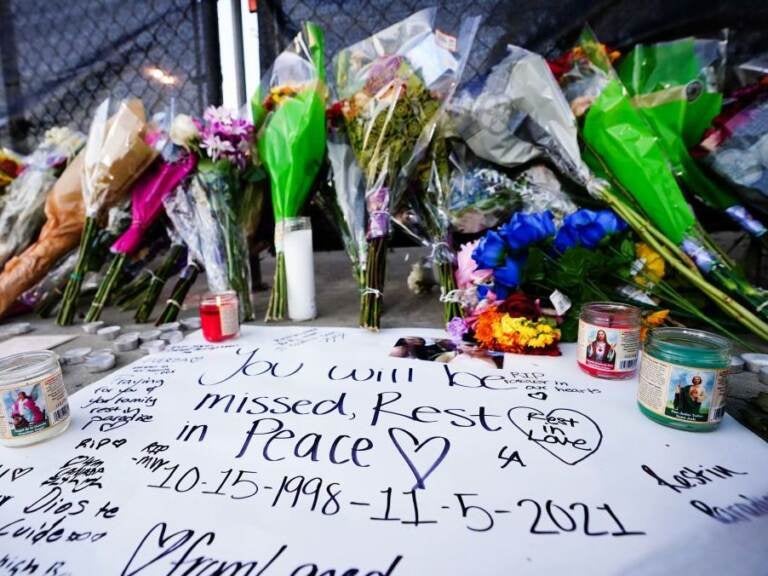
<point>538,395</point>
<point>17,473</point>
<point>546,446</point>
<point>420,479</point>
<point>175,539</point>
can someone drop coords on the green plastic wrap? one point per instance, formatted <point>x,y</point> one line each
<point>623,140</point>
<point>674,86</point>
<point>289,113</point>
<point>291,141</point>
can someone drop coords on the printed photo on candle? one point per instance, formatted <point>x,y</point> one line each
<point>690,392</point>
<point>25,410</point>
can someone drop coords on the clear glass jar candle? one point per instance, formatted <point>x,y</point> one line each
<point>682,380</point>
<point>609,339</point>
<point>33,399</point>
<point>220,316</point>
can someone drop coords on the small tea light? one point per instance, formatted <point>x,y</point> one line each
<point>219,316</point>
<point>191,323</point>
<point>93,327</point>
<point>110,332</point>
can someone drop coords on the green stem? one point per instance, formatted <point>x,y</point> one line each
<point>648,233</point>
<point>159,279</point>
<point>373,291</point>
<point>276,309</point>
<point>178,294</point>
<point>451,309</point>
<point>105,288</point>
<point>129,296</point>
<point>72,291</point>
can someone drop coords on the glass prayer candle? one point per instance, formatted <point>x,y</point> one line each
<point>609,340</point>
<point>683,378</point>
<point>299,268</point>
<point>33,399</point>
<point>219,316</point>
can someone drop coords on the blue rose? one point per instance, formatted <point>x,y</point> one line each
<point>522,230</point>
<point>490,251</point>
<point>510,274</point>
<point>587,228</point>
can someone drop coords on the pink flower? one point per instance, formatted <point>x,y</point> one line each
<point>467,272</point>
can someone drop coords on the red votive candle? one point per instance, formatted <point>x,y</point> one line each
<point>609,339</point>
<point>219,316</point>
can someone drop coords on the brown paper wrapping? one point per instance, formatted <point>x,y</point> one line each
<point>65,216</point>
<point>122,157</point>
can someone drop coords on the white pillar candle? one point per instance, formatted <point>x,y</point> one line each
<point>299,269</point>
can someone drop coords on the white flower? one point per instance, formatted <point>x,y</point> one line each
<point>183,130</point>
<point>217,147</point>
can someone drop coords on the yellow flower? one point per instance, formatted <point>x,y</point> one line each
<point>653,320</point>
<point>654,267</point>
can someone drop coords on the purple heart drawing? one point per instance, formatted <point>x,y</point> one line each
<point>569,435</point>
<point>418,445</point>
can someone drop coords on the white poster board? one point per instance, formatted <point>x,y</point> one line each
<point>309,451</point>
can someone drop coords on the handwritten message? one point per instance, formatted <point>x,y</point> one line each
<point>309,452</point>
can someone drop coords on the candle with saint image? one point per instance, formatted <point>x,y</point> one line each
<point>219,316</point>
<point>299,268</point>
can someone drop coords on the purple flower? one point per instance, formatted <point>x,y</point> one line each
<point>456,329</point>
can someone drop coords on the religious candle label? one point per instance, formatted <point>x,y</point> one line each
<point>312,452</point>
<point>230,319</point>
<point>613,349</point>
<point>681,392</point>
<point>32,405</point>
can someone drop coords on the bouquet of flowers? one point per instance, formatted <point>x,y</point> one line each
<point>289,112</point>
<point>621,146</point>
<point>147,197</point>
<point>517,113</point>
<point>393,87</point>
<point>675,87</point>
<point>737,151</point>
<point>115,155</point>
<point>65,216</point>
<point>343,198</point>
<point>21,207</point>
<point>195,222</point>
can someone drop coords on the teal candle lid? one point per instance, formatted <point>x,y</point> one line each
<point>687,347</point>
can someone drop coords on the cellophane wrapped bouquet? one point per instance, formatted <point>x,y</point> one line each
<point>226,177</point>
<point>115,156</point>
<point>21,207</point>
<point>289,112</point>
<point>393,87</point>
<point>173,166</point>
<point>194,220</point>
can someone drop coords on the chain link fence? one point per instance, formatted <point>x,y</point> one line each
<point>60,58</point>
<point>350,21</point>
